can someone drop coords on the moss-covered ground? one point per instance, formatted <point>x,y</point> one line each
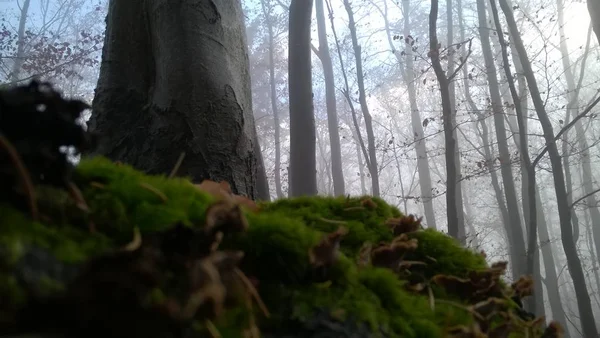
<point>416,283</point>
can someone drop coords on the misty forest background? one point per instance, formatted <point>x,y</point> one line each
<point>379,117</point>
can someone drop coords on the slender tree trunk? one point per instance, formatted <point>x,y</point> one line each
<point>187,91</point>
<point>303,166</point>
<point>454,125</point>
<point>583,299</point>
<point>514,231</point>
<point>20,56</point>
<point>362,98</point>
<point>416,123</point>
<point>332,117</point>
<point>551,280</point>
<point>484,134</point>
<point>346,91</point>
<point>451,175</point>
<point>273,92</point>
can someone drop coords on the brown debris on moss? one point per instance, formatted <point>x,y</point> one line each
<point>391,255</point>
<point>404,224</point>
<point>326,252</point>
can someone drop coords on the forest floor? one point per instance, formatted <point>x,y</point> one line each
<point>103,250</point>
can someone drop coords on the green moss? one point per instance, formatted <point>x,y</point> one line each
<point>444,255</point>
<point>48,286</point>
<point>121,197</point>
<point>13,296</point>
<point>276,247</point>
<point>68,244</point>
<point>328,213</point>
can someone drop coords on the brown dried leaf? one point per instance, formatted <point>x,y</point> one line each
<point>404,224</point>
<point>226,217</point>
<point>390,256</point>
<point>326,252</point>
<point>554,330</point>
<point>523,287</point>
<point>369,204</point>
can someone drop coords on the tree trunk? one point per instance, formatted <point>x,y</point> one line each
<point>417,126</point>
<point>454,125</point>
<point>20,56</point>
<point>451,175</point>
<point>303,165</point>
<point>564,210</point>
<point>273,92</point>
<point>514,230</point>
<point>362,98</point>
<point>174,78</point>
<point>594,9</point>
<point>552,286</point>
<point>332,118</point>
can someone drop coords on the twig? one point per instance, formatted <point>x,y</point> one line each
<point>583,197</point>
<point>177,165</point>
<point>252,291</point>
<point>23,174</point>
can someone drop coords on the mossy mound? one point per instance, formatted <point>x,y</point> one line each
<point>103,250</point>
<point>300,295</point>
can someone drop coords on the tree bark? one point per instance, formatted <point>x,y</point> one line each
<point>303,166</point>
<point>574,263</point>
<point>451,175</point>
<point>594,9</point>
<point>174,78</point>
<point>332,118</point>
<point>362,98</point>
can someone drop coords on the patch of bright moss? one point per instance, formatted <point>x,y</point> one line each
<point>365,222</point>
<point>444,255</point>
<point>121,197</point>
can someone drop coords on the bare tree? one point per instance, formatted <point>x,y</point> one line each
<point>266,8</point>
<point>362,98</point>
<point>514,230</point>
<point>332,118</point>
<point>451,173</point>
<point>303,166</point>
<point>564,210</point>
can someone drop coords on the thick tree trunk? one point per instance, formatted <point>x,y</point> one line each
<point>514,230</point>
<point>451,175</point>
<point>273,94</point>
<point>303,167</point>
<point>332,118</point>
<point>564,210</point>
<point>362,98</point>
<point>174,78</point>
